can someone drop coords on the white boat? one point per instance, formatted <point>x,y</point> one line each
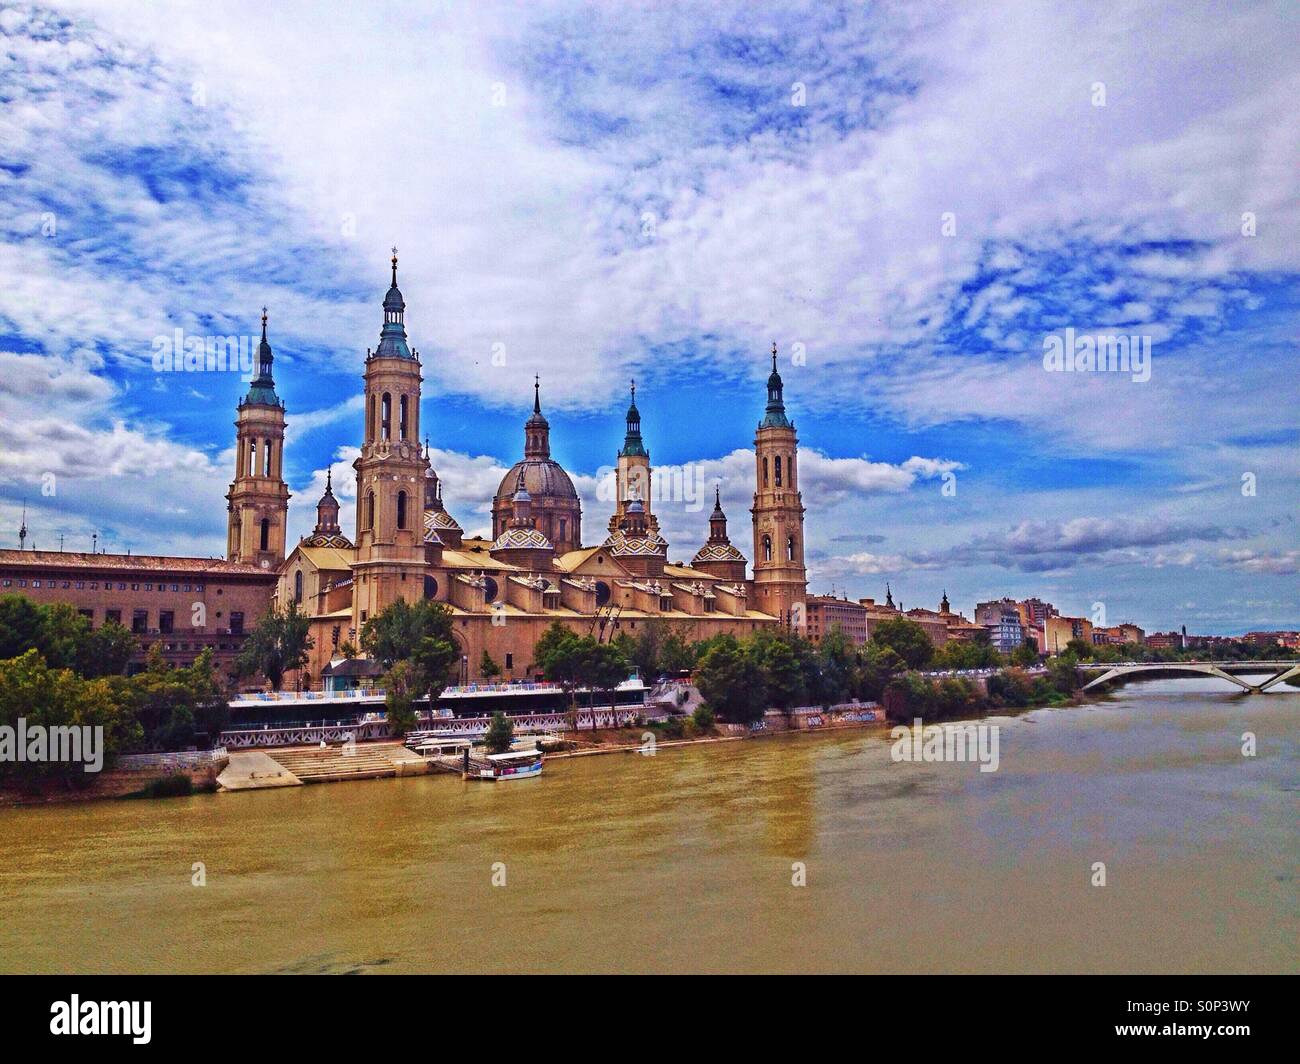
<point>512,765</point>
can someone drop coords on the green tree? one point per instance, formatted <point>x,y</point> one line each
<point>783,675</point>
<point>837,662</point>
<point>877,666</point>
<point>561,655</point>
<point>1026,654</point>
<point>402,683</point>
<point>278,644</point>
<point>20,626</point>
<point>31,690</point>
<point>907,639</point>
<point>500,734</point>
<point>731,682</point>
<point>487,667</point>
<point>605,667</point>
<point>106,651</point>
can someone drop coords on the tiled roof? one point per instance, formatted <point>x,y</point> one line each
<point>83,560</point>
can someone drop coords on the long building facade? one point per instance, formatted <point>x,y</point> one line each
<point>503,592</point>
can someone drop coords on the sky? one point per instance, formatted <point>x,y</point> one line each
<point>910,200</point>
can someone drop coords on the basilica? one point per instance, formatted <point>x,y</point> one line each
<point>535,570</point>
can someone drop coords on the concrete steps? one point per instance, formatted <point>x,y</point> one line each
<point>311,764</point>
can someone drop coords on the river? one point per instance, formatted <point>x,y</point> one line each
<point>684,861</point>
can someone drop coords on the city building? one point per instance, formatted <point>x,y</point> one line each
<point>1058,631</point>
<point>826,611</point>
<point>1003,619</point>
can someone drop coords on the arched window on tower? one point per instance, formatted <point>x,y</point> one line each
<point>370,510</point>
<point>386,417</point>
<point>778,471</point>
<point>401,419</point>
<point>789,548</point>
<point>266,458</point>
<point>370,432</point>
<point>765,471</point>
<point>767,548</point>
<point>266,534</point>
<point>401,509</point>
<point>252,458</point>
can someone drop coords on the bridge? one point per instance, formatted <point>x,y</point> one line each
<point>1224,670</point>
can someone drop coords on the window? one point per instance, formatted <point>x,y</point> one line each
<point>266,458</point>
<point>8,582</point>
<point>112,616</point>
<point>563,532</point>
<point>266,538</point>
<point>386,417</point>
<point>789,549</point>
<point>252,457</point>
<point>139,621</point>
<point>236,623</point>
<point>430,587</point>
<point>174,588</point>
<point>370,424</point>
<point>767,548</point>
<point>401,418</point>
<point>135,587</point>
<point>166,621</point>
<point>765,471</point>
<point>401,509</point>
<point>510,661</point>
<point>148,587</point>
<point>370,509</point>
<point>88,614</point>
<point>36,583</point>
<point>778,471</point>
<point>297,587</point>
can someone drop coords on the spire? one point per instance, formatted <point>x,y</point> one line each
<point>889,596</point>
<point>775,414</point>
<point>22,530</point>
<point>537,430</point>
<point>392,337</point>
<point>521,504</point>
<point>327,510</point>
<point>632,443</point>
<point>262,389</point>
<point>943,603</point>
<point>717,519</point>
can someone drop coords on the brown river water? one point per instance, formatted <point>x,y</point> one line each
<point>683,861</point>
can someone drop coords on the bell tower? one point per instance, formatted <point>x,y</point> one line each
<point>780,579</point>
<point>390,560</point>
<point>257,504</point>
<point>632,475</point>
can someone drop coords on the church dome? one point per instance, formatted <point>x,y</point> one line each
<point>544,478</point>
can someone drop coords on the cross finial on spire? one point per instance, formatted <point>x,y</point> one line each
<point>329,478</point>
<point>264,322</point>
<point>773,354</point>
<point>537,393</point>
<point>633,389</point>
<point>394,265</point>
<point>717,496</point>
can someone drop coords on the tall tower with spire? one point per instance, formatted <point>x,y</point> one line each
<point>780,579</point>
<point>632,474</point>
<point>257,504</point>
<point>390,561</point>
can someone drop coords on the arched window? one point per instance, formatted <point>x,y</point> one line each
<point>430,587</point>
<point>767,548</point>
<point>765,471</point>
<point>297,587</point>
<point>602,592</point>
<point>789,549</point>
<point>789,472</point>
<point>370,430</point>
<point>370,509</point>
<point>490,589</point>
<point>401,419</point>
<point>266,458</point>
<point>266,534</point>
<point>401,509</point>
<point>563,534</point>
<point>386,417</point>
<point>778,470</point>
<point>252,458</point>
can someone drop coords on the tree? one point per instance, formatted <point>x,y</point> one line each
<point>907,639</point>
<point>877,666</point>
<point>1026,654</point>
<point>605,667</point>
<point>106,651</point>
<point>837,665</point>
<point>731,682</point>
<point>783,676</point>
<point>500,734</point>
<point>420,633</point>
<point>559,653</point>
<point>277,644</point>
<point>20,625</point>
<point>31,690</point>
<point>487,667</point>
<point>173,706</point>
<point>402,683</point>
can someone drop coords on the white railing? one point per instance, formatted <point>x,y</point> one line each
<point>172,759</point>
